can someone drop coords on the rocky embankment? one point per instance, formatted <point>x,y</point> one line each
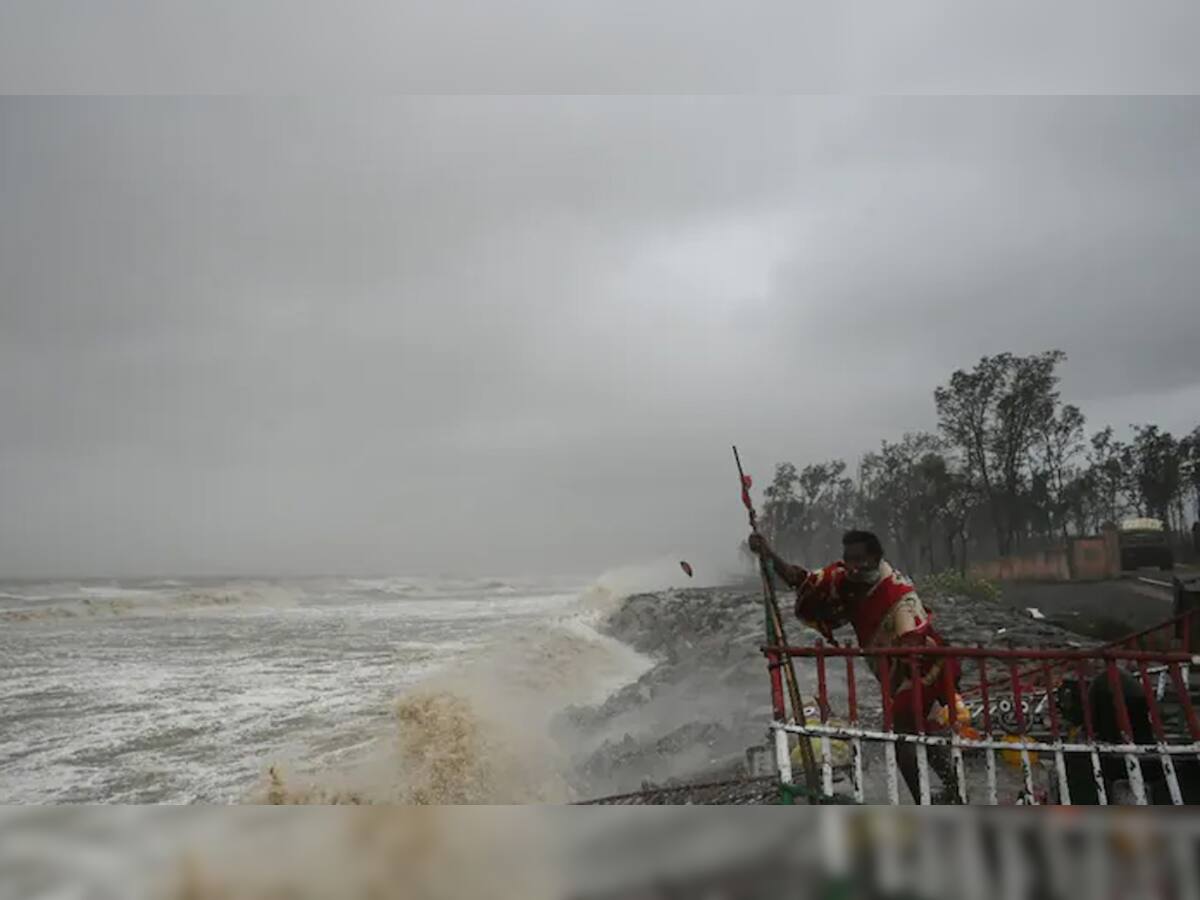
<point>693,715</point>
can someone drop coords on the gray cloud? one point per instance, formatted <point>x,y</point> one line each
<point>592,46</point>
<point>513,334</point>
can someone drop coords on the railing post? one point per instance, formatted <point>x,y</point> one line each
<point>889,726</point>
<point>918,704</point>
<point>1019,712</point>
<point>856,743</point>
<point>993,800</point>
<point>823,712</point>
<point>1060,763</point>
<point>1134,768</point>
<point>1090,731</point>
<point>956,756</point>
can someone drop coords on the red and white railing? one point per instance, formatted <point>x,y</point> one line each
<point>1014,698</point>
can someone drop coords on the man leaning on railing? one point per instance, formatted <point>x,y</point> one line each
<point>863,590</point>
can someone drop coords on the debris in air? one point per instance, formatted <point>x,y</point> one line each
<point>686,568</point>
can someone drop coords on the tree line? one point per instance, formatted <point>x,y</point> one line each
<point>1011,468</point>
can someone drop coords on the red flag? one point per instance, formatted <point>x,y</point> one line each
<point>687,568</point>
<point>746,485</point>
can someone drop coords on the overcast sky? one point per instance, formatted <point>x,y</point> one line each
<point>512,335</point>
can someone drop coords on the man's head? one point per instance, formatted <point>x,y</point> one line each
<point>862,553</point>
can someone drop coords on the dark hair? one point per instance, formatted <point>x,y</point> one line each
<point>874,548</point>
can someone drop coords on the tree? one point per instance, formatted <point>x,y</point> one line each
<point>1190,450</point>
<point>1079,501</point>
<point>900,495</point>
<point>1109,478</point>
<point>993,415</point>
<point>961,504</point>
<point>827,497</point>
<point>780,505</point>
<point>1010,462</point>
<point>805,511</point>
<point>1157,465</point>
<point>1059,443</point>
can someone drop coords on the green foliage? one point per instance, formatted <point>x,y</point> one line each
<point>956,584</point>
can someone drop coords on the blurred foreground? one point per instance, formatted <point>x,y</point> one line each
<point>533,853</point>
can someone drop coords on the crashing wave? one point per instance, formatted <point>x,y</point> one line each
<point>482,732</point>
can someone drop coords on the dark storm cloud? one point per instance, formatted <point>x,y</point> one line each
<point>505,334</point>
<point>1016,222</point>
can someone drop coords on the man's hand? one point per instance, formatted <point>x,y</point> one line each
<point>759,546</point>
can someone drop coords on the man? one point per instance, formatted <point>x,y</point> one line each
<point>863,590</point>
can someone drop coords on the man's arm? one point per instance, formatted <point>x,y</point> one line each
<point>789,574</point>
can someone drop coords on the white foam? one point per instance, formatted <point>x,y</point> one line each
<point>25,598</point>
<point>114,592</point>
<point>314,683</point>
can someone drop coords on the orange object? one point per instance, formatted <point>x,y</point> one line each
<point>939,715</point>
<point>1013,757</point>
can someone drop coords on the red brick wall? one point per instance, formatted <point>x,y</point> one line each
<point>1045,565</point>
<point>1083,559</point>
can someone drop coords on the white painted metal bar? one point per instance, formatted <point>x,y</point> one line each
<point>1027,775</point>
<point>1137,784</point>
<point>992,797</point>
<point>857,769</point>
<point>826,766</point>
<point>1169,774</point>
<point>783,756</point>
<point>1060,770</point>
<point>960,769</point>
<point>843,732</point>
<point>1156,719</point>
<point>1129,752</point>
<point>1098,778</point>
<point>893,773</point>
<point>923,774</point>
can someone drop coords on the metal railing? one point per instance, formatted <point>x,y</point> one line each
<point>1112,718</point>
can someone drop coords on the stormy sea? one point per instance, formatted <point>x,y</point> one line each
<point>390,690</point>
<point>431,690</point>
<point>388,693</point>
